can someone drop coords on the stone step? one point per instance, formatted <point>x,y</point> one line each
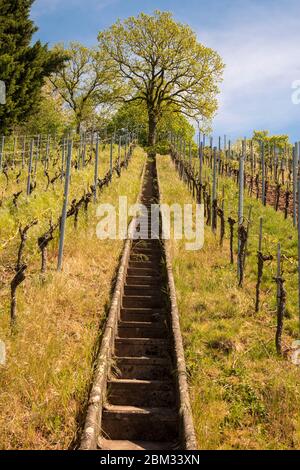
<point>142,290</point>
<point>144,424</point>
<point>143,264</point>
<point>141,393</point>
<point>142,314</point>
<point>146,251</point>
<point>136,301</point>
<point>141,330</point>
<point>152,244</point>
<point>146,347</point>
<point>143,368</point>
<point>142,272</point>
<point>145,257</point>
<point>142,280</point>
<point>105,444</point>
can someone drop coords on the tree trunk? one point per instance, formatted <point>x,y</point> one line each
<point>152,128</point>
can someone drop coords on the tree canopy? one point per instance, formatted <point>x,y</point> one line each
<point>271,142</point>
<point>23,66</point>
<point>164,66</point>
<point>87,80</point>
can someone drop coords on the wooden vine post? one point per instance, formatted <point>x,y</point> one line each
<point>119,152</point>
<point>28,191</point>
<point>63,149</point>
<point>2,145</point>
<point>97,168</point>
<point>65,208</point>
<point>263,174</point>
<point>214,192</point>
<point>37,154</point>
<point>281,303</point>
<point>46,163</point>
<point>242,233</point>
<point>299,244</point>
<point>200,171</point>
<point>295,171</point>
<point>111,156</point>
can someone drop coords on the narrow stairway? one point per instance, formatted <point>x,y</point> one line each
<point>141,410</point>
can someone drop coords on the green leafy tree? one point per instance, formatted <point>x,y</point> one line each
<point>23,66</point>
<point>86,82</point>
<point>50,117</point>
<point>271,142</point>
<point>164,66</point>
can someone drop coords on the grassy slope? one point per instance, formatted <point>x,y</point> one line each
<point>43,388</point>
<point>243,395</point>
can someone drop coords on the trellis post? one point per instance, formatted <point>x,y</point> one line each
<point>2,144</point>
<point>65,208</point>
<point>37,154</point>
<point>23,151</point>
<point>263,173</point>
<point>214,188</point>
<point>295,157</point>
<point>96,168</point>
<point>241,198</point>
<point>200,162</point>
<point>119,151</point>
<point>29,168</point>
<point>111,155</point>
<point>299,244</point>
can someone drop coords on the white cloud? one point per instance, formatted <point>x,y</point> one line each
<point>261,52</point>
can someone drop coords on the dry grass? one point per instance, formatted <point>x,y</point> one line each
<point>243,395</point>
<point>44,386</point>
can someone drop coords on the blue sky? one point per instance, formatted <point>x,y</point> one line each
<point>258,40</point>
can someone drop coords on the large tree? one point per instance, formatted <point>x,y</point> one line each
<point>86,82</point>
<point>23,65</point>
<point>134,117</point>
<point>164,64</point>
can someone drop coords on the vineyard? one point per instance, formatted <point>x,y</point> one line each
<point>242,395</point>
<point>149,271</point>
<point>62,337</point>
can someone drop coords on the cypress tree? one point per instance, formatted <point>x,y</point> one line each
<point>23,65</point>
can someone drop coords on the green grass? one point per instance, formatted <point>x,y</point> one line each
<point>243,395</point>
